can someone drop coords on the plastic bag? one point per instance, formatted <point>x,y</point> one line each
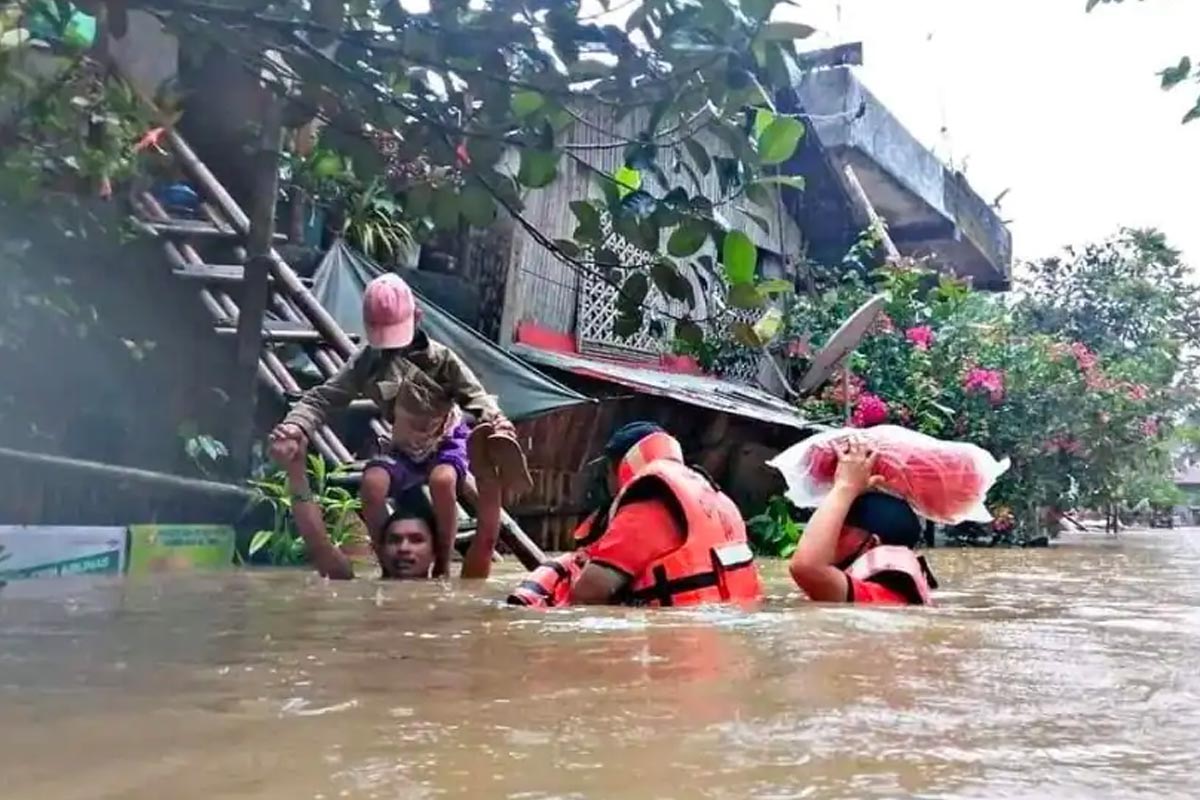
<point>946,482</point>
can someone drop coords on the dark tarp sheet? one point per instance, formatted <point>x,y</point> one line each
<point>523,391</point>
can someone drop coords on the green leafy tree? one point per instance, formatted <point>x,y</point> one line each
<point>466,107</point>
<point>1079,383</point>
<point>1130,299</point>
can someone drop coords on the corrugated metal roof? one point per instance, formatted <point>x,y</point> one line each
<point>1188,476</point>
<point>696,390</point>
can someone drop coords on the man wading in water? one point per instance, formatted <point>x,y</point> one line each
<point>405,549</point>
<point>422,388</point>
<point>663,534</point>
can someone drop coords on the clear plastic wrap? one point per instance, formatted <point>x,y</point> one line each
<point>946,482</point>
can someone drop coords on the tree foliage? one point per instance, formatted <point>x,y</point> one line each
<point>1080,382</point>
<point>467,106</point>
<point>1130,296</point>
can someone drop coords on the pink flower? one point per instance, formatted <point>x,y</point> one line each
<point>1085,358</point>
<point>1138,392</point>
<point>920,336</point>
<point>1149,427</point>
<point>869,410</point>
<point>985,381</point>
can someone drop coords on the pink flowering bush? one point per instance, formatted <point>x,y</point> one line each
<point>958,364</point>
<point>869,410</point>
<point>920,337</point>
<point>988,382</point>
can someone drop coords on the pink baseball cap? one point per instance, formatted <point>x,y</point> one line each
<point>389,312</point>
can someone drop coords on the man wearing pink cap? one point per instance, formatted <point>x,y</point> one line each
<point>423,389</point>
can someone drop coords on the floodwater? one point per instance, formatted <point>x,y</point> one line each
<point>1068,673</point>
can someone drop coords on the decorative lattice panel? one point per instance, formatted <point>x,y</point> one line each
<point>597,311</point>
<point>598,304</point>
<point>744,370</point>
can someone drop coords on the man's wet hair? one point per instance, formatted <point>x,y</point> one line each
<point>412,504</point>
<point>888,517</point>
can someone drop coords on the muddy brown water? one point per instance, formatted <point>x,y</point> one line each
<point>1068,673</point>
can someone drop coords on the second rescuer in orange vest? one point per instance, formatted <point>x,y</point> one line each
<point>664,535</point>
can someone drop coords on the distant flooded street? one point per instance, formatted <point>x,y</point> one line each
<point>1069,673</point>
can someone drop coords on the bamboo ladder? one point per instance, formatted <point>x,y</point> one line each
<point>301,318</point>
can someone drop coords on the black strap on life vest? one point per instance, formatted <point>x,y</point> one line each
<point>562,571</point>
<point>664,591</point>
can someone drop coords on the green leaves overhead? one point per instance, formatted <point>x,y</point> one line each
<point>671,283</point>
<point>1172,76</point>
<point>628,180</point>
<point>445,208</point>
<point>478,208</point>
<point>525,103</point>
<point>745,296</point>
<point>588,217</point>
<point>778,140</point>
<point>634,290</point>
<point>791,181</point>
<point>699,156</point>
<point>689,332</point>
<point>470,107</point>
<point>688,237</point>
<point>740,257</point>
<point>786,31</point>
<point>538,168</point>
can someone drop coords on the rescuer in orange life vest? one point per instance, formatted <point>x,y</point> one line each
<point>663,534</point>
<point>858,545</point>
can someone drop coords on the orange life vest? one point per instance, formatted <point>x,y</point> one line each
<point>714,564</point>
<point>549,585</point>
<point>900,562</point>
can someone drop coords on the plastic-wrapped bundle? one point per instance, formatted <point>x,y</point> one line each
<point>945,482</point>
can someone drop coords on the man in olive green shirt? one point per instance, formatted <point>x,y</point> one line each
<point>425,391</point>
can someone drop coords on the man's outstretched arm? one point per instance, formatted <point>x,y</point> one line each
<point>326,558</point>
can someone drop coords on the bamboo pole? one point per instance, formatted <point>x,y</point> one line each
<point>859,196</point>
<point>222,309</point>
<point>289,281</point>
<point>194,485</point>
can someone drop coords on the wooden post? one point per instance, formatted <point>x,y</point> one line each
<point>859,196</point>
<point>255,288</point>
